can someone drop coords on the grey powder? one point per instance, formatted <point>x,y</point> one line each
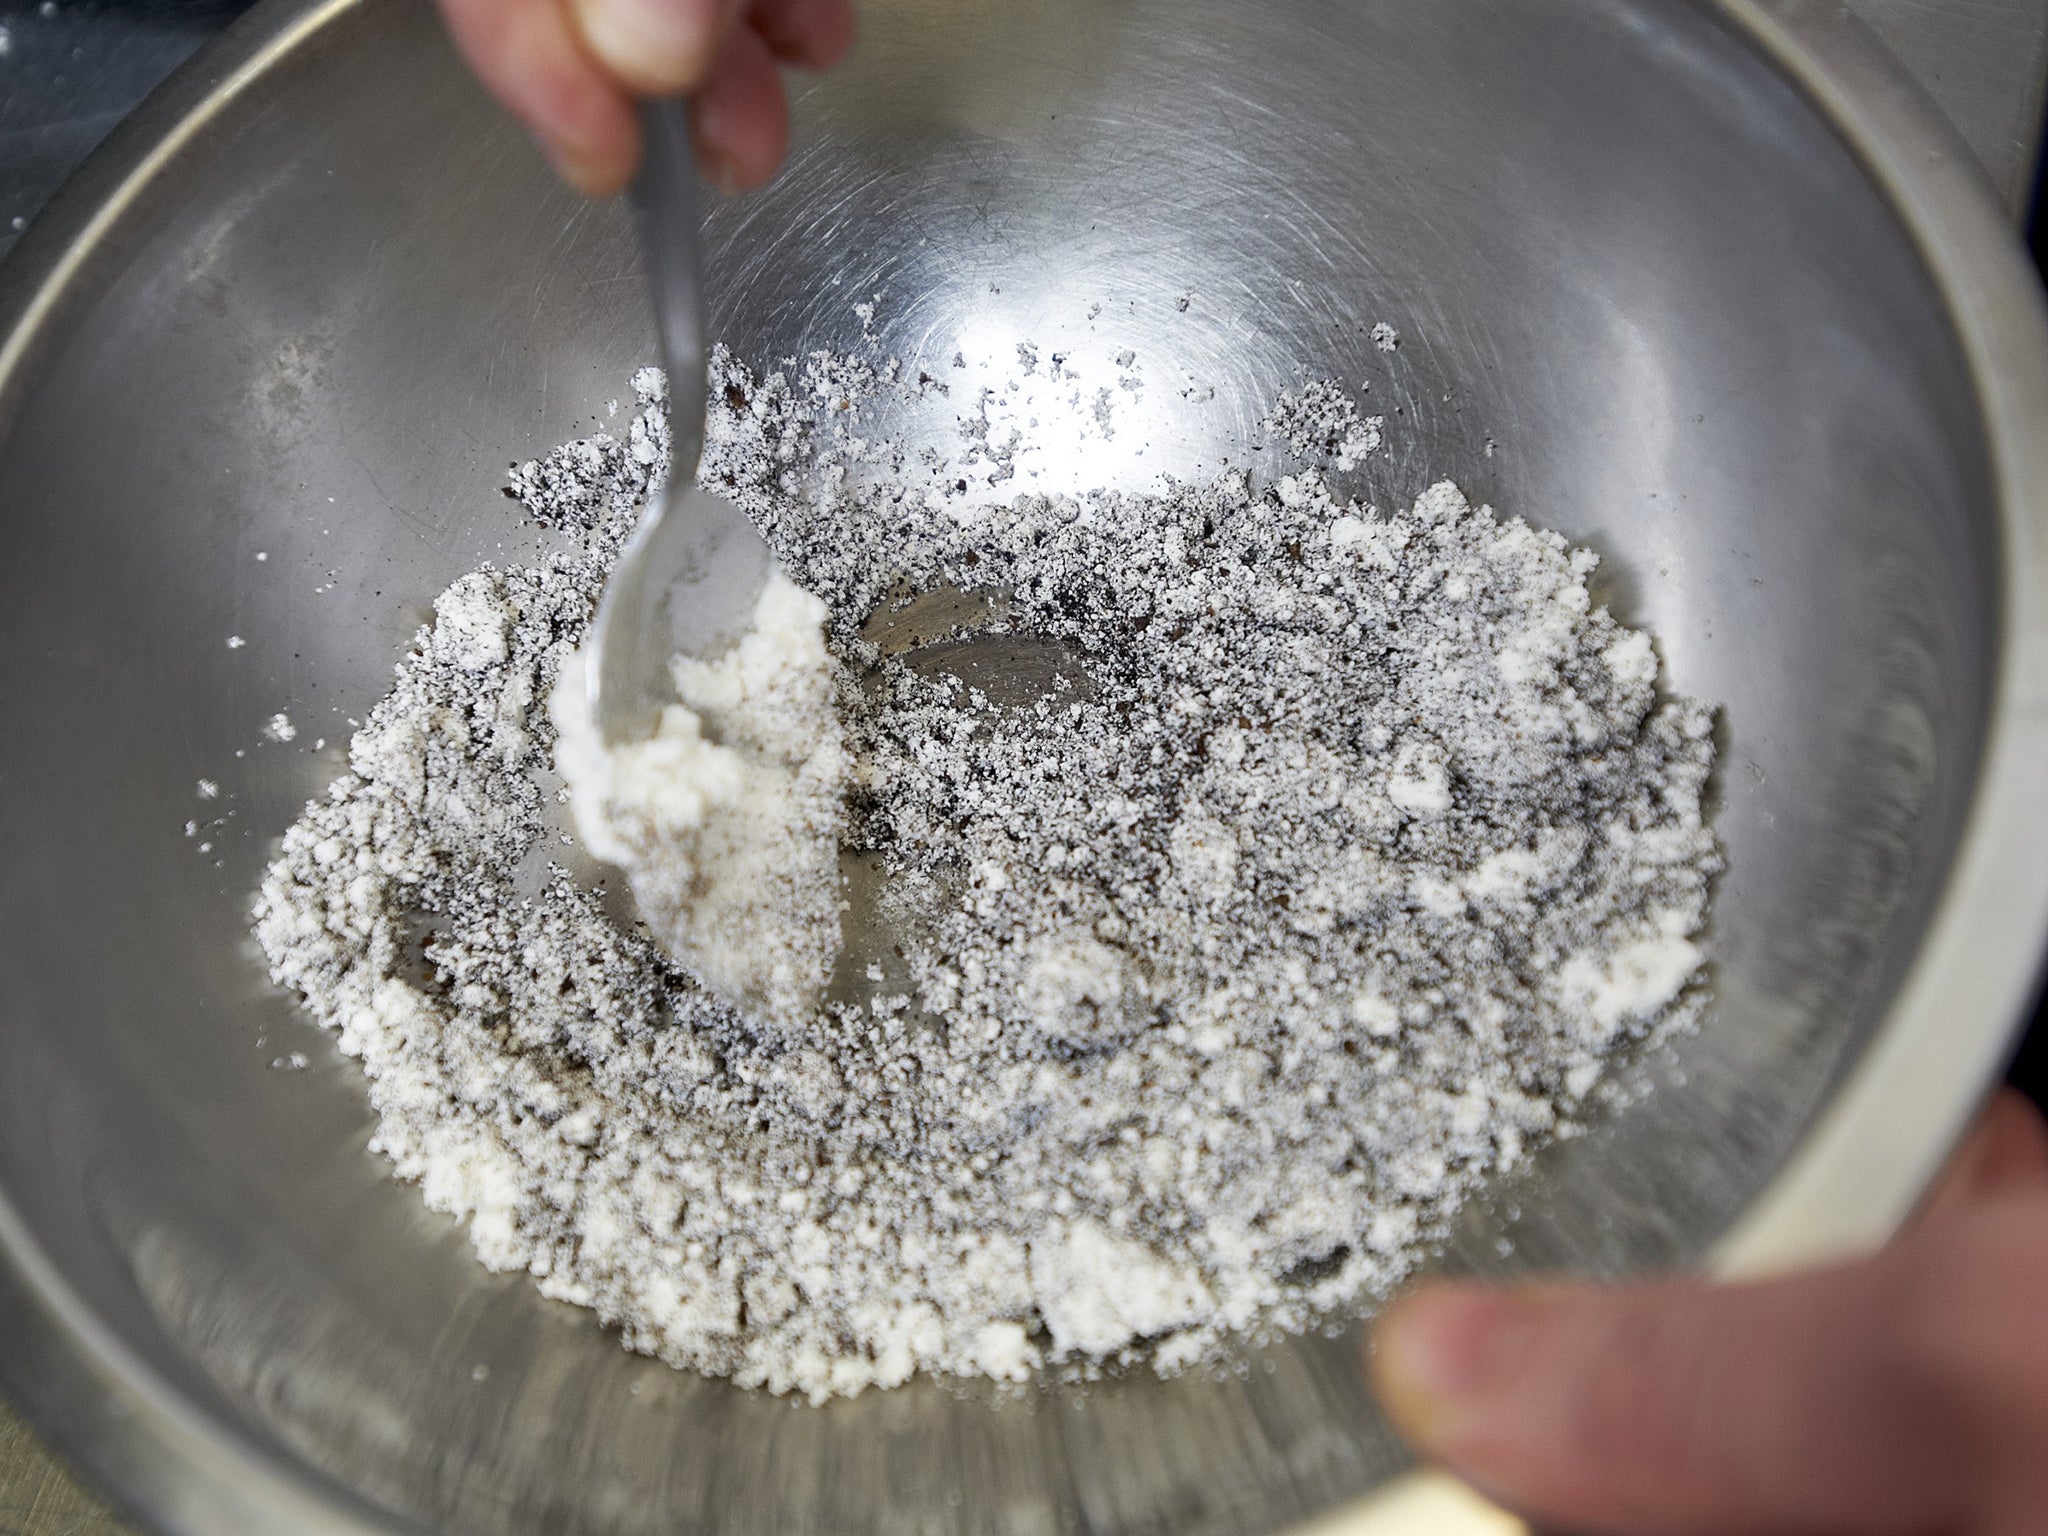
<point>1311,883</point>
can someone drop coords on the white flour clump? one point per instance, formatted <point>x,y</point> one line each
<point>727,821</point>
<point>1323,421</point>
<point>1302,868</point>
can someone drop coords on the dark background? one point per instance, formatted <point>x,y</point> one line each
<point>2030,1065</point>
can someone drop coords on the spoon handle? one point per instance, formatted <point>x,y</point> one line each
<point>668,208</point>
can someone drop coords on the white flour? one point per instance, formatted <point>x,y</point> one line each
<point>1310,886</point>
<point>728,820</point>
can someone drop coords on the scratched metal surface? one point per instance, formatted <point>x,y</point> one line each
<point>38,1496</point>
<point>66,77</point>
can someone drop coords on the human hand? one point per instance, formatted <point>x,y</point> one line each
<point>1903,1395</point>
<point>571,70</point>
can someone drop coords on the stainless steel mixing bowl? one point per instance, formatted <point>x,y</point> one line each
<point>1729,305</point>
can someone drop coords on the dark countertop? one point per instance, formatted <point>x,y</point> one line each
<point>71,69</point>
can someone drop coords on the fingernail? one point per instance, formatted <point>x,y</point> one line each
<point>654,45</point>
<point>590,176</point>
<point>717,136</point>
<point>1438,1356</point>
<point>717,168</point>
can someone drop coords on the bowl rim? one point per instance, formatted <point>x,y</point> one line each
<point>1858,1171</point>
<point>1870,1155</point>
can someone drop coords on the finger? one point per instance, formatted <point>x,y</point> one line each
<point>526,54</point>
<point>656,47</point>
<point>2006,1153</point>
<point>741,118</point>
<point>1669,1410</point>
<point>811,34</point>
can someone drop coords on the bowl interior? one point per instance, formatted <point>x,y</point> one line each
<point>1647,299</point>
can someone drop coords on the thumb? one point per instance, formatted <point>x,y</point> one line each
<point>1670,1409</point>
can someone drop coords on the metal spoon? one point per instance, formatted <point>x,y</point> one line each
<point>689,577</point>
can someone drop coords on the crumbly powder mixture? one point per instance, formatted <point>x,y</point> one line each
<point>1328,860</point>
<point>1323,421</point>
